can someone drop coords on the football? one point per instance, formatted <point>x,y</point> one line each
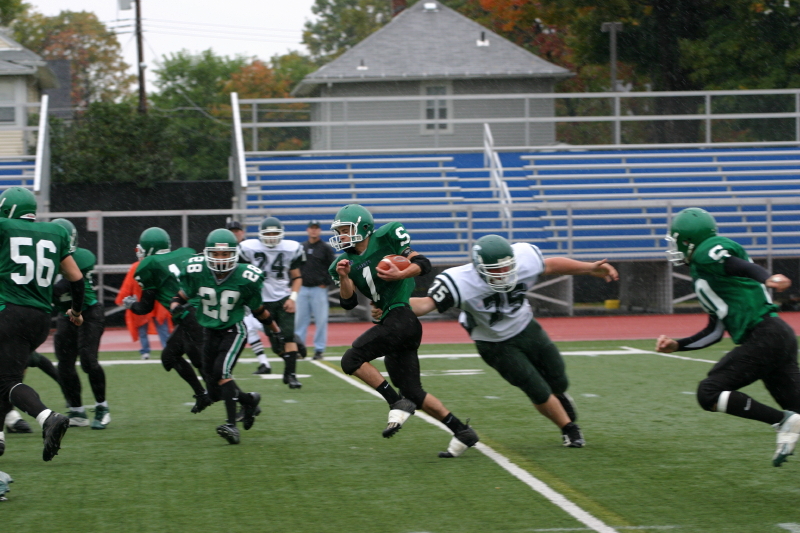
<point>401,262</point>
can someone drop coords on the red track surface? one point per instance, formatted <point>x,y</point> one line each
<point>448,332</point>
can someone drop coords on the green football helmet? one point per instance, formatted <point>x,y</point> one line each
<point>353,221</point>
<point>689,228</point>
<point>221,240</point>
<point>18,202</point>
<point>73,233</point>
<point>494,261</point>
<point>270,232</point>
<point>153,241</point>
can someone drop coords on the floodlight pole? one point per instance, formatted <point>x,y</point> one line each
<point>142,66</point>
<point>612,28</point>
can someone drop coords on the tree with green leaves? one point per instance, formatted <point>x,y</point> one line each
<point>10,10</point>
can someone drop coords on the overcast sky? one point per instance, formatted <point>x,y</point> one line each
<point>259,28</point>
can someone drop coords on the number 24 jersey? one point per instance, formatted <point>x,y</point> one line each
<point>488,315</point>
<point>221,301</point>
<point>275,262</point>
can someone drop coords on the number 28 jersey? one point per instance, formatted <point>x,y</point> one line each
<point>221,302</point>
<point>488,315</point>
<point>740,303</point>
<point>389,239</point>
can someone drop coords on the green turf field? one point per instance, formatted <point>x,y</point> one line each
<point>315,460</point>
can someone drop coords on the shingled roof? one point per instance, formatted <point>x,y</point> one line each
<point>16,60</point>
<point>431,41</point>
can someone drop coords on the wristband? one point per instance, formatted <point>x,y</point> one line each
<point>293,296</point>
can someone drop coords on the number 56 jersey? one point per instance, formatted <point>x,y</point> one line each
<point>488,315</point>
<point>221,301</point>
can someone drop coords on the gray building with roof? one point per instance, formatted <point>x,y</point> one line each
<point>423,67</point>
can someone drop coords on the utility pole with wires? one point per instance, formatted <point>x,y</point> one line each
<point>125,5</point>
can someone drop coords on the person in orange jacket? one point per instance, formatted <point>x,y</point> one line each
<point>158,320</point>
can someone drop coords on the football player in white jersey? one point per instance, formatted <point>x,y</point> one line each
<point>280,261</point>
<point>490,292</point>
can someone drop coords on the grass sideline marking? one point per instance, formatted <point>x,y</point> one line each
<point>595,524</point>
<point>636,350</point>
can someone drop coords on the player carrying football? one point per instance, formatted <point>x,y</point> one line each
<point>398,334</point>
<point>490,292</point>
<point>224,288</point>
<point>733,290</point>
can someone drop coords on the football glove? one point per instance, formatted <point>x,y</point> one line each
<point>128,301</point>
<point>180,313</point>
<point>276,342</point>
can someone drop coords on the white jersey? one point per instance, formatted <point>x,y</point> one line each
<point>488,315</point>
<point>275,262</point>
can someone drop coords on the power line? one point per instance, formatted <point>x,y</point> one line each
<point>183,23</point>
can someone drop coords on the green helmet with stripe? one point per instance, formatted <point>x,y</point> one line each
<point>73,233</point>
<point>354,222</point>
<point>153,241</point>
<point>493,258</point>
<point>221,241</point>
<point>689,228</point>
<point>18,202</point>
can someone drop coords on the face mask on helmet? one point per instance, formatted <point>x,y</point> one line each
<point>221,257</point>
<point>352,224</point>
<point>494,261</point>
<point>270,232</point>
<point>674,255</point>
<point>345,235</point>
<point>688,230</point>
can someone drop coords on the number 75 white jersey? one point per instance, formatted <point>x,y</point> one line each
<point>275,262</point>
<point>488,315</point>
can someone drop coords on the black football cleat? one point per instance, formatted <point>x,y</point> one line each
<point>201,402</point>
<point>291,380</point>
<point>250,412</point>
<point>263,369</point>
<point>466,438</point>
<point>569,405</point>
<point>399,412</point>
<point>20,426</point>
<point>573,438</point>
<point>229,433</point>
<point>53,431</point>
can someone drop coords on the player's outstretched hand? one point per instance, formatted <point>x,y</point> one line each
<point>128,301</point>
<point>602,269</point>
<point>779,282</point>
<point>666,345</point>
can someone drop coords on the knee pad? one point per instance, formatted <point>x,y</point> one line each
<point>708,394</point>
<point>351,362</point>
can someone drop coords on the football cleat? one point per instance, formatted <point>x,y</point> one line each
<point>291,380</point>
<point>2,443</point>
<point>5,481</point>
<point>201,402</point>
<point>466,438</point>
<point>569,405</point>
<point>145,356</point>
<point>250,412</point>
<point>318,355</point>
<point>20,426</point>
<point>788,432</point>
<point>573,438</point>
<point>77,418</point>
<point>53,431</point>
<point>101,417</point>
<point>263,369</point>
<point>399,412</point>
<point>229,433</point>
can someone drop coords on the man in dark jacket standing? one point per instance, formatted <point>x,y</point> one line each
<point>313,296</point>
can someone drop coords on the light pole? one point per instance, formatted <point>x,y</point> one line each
<point>612,28</point>
<point>125,5</point>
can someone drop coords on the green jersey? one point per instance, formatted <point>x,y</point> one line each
<point>222,301</point>
<point>161,273</point>
<point>389,239</point>
<point>86,262</point>
<point>30,257</point>
<point>740,303</point>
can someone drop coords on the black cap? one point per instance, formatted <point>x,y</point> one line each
<point>234,224</point>
<point>314,223</point>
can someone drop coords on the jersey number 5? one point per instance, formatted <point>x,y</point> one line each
<point>42,267</point>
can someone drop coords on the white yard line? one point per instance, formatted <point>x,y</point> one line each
<point>595,524</point>
<point>673,356</point>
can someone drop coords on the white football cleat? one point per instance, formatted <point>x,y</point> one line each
<point>788,433</point>
<point>398,414</point>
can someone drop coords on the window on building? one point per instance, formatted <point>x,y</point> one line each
<point>436,110</point>
<point>7,101</point>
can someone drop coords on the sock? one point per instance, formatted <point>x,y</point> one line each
<point>453,423</point>
<point>103,404</point>
<point>290,358</point>
<point>231,397</point>
<point>79,409</point>
<point>262,359</point>
<point>388,393</point>
<point>11,418</point>
<point>41,417</point>
<point>740,404</point>
<point>25,398</point>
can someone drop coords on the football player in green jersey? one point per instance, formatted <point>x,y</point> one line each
<point>30,255</point>
<point>398,334</point>
<point>224,287</point>
<point>158,274</point>
<point>71,342</point>
<point>733,290</point>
